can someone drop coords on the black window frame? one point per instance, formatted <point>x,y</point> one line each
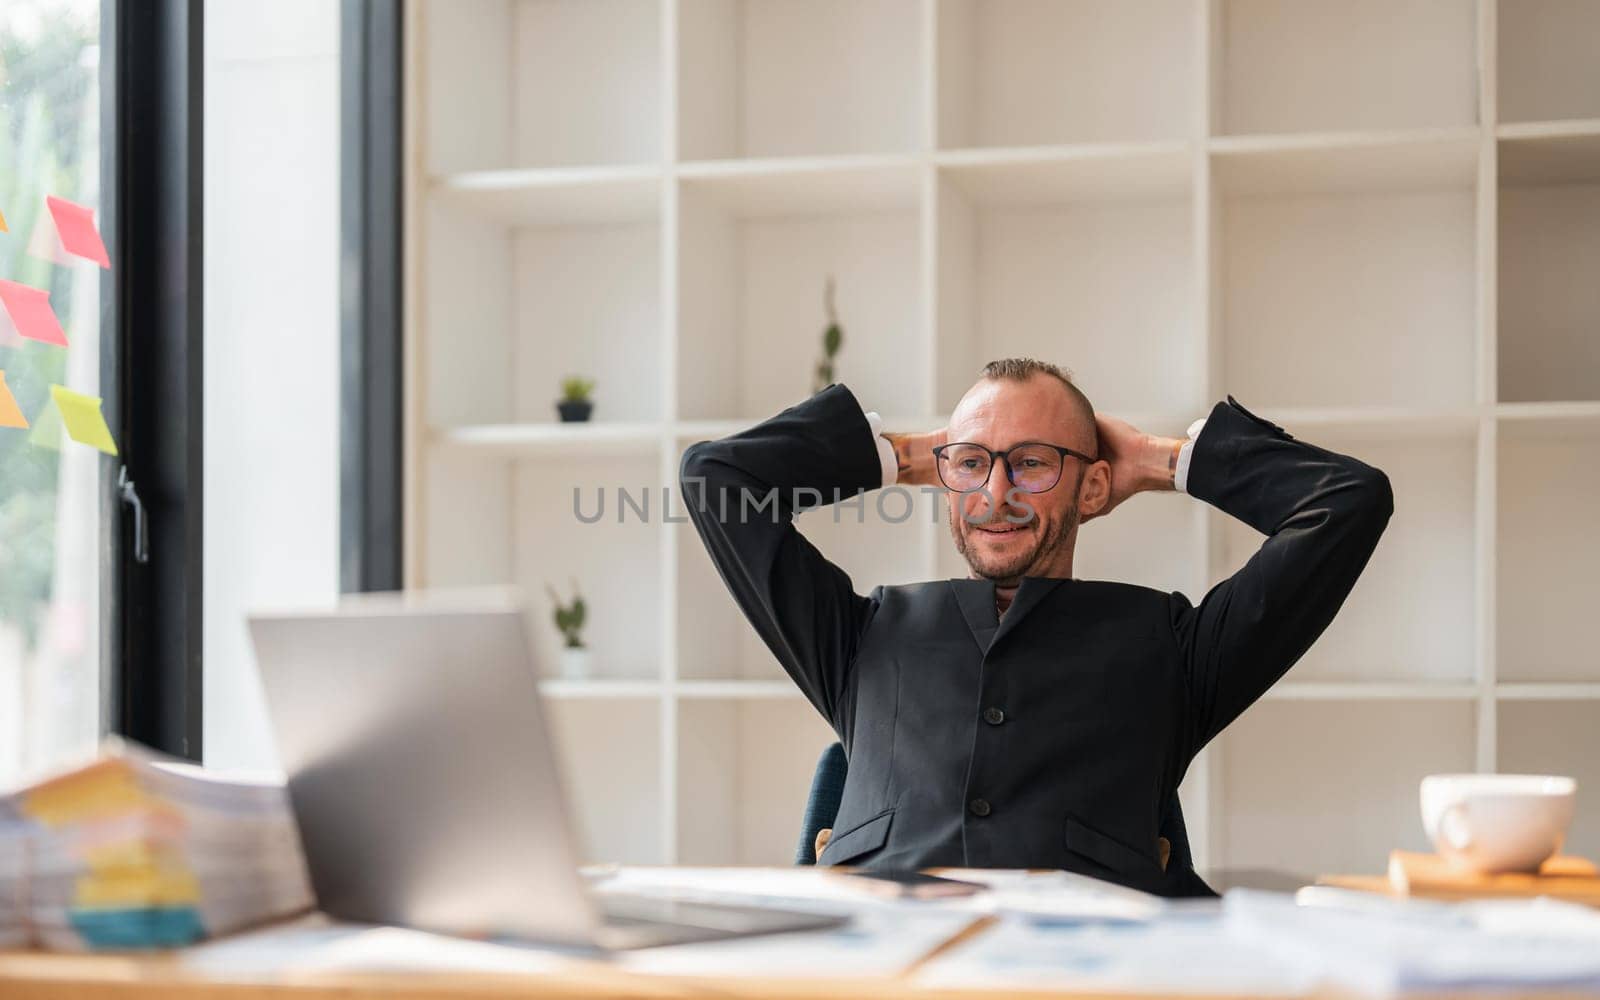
<point>372,253</point>
<point>151,367</point>
<point>152,78</point>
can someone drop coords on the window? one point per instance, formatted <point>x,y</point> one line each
<point>50,519</point>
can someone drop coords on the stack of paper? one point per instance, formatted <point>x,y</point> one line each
<point>1184,949</point>
<point>131,851</point>
<point>1383,946</point>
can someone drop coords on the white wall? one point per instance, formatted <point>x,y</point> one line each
<point>272,340</point>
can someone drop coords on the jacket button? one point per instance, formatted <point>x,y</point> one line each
<point>979,807</point>
<point>993,716</point>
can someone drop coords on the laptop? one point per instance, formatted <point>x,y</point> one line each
<point>426,785</point>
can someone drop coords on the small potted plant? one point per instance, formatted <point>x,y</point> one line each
<point>832,340</point>
<point>576,401</point>
<point>569,619</point>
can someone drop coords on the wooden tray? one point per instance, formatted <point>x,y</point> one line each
<point>1428,876</point>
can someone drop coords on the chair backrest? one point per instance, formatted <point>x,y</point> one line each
<point>827,789</point>
<point>822,805</point>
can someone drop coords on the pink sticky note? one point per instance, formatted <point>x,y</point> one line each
<point>30,312</point>
<point>44,244</point>
<point>75,228</point>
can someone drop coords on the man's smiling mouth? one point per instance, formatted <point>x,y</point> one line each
<point>1003,528</point>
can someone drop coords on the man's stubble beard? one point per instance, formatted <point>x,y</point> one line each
<point>1046,547</point>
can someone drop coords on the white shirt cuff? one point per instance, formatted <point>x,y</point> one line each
<point>886,460</point>
<point>1180,475</point>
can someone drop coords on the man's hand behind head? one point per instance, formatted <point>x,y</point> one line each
<point>1138,461</point>
<point>913,454</point>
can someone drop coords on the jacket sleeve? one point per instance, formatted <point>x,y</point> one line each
<point>743,492</point>
<point>1322,513</point>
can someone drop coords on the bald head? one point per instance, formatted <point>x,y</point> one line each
<point>1025,370</point>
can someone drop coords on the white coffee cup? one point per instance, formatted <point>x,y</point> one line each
<point>1497,822</point>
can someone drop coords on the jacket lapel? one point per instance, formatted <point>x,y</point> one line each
<point>1030,594</point>
<point>976,600</point>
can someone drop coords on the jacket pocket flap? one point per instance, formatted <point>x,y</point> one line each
<point>857,840</point>
<point>1106,849</point>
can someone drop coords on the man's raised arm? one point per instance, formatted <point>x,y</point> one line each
<point>743,492</point>
<point>1322,513</point>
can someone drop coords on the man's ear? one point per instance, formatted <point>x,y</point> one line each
<point>1095,492</point>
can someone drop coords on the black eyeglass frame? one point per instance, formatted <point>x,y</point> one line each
<point>1005,459</point>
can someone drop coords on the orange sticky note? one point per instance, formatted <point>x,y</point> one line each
<point>30,312</point>
<point>75,228</point>
<point>3,227</point>
<point>10,413</point>
<point>84,422</point>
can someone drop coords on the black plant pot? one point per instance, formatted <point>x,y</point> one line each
<point>574,412</point>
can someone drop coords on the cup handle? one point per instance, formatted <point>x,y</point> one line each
<point>1453,827</point>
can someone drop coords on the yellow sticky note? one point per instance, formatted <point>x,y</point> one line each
<point>10,413</point>
<point>151,888</point>
<point>104,788</point>
<point>81,414</point>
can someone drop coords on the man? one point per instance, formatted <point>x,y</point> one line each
<point>1024,718</point>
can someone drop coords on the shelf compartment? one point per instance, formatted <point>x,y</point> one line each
<point>762,78</point>
<point>578,82</point>
<point>1402,421</point>
<point>558,196</point>
<point>1549,249</point>
<point>1557,737</point>
<point>1549,691</point>
<point>509,310</point>
<point>1547,66</point>
<point>551,545</point>
<point>1368,757</point>
<point>609,752</point>
<point>1372,691</point>
<point>1560,413</point>
<point>1421,574</point>
<point>582,689</point>
<point>1328,65</point>
<point>1031,261</point>
<point>580,439</point>
<point>1547,548</point>
<point>820,185</point>
<point>745,770</point>
<point>462,551</point>
<point>700,430</point>
<point>737,690</point>
<point>754,256</point>
<point>1000,178</point>
<point>1045,72</point>
<point>1347,162</point>
<point>1339,294</point>
<point>1550,153</point>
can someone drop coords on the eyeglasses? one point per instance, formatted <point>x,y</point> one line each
<point>1032,467</point>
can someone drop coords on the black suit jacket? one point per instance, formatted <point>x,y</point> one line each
<point>1053,737</point>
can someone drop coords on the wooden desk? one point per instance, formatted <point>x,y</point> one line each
<point>167,976</point>
<point>32,976</point>
<point>45,976</point>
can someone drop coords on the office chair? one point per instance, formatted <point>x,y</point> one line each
<point>822,805</point>
<point>827,789</point>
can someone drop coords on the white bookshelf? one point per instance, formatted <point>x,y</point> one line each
<point>1376,224</point>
